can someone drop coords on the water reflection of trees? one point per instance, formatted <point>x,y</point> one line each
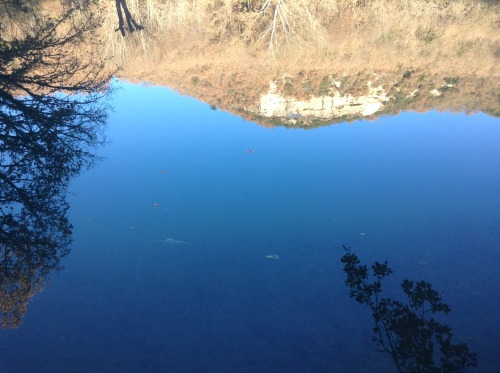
<point>132,25</point>
<point>52,113</point>
<point>409,333</point>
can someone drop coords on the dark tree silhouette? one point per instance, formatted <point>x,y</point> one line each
<point>132,24</point>
<point>52,114</point>
<point>414,339</point>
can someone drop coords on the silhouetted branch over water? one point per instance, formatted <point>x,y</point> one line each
<point>52,114</point>
<point>407,332</point>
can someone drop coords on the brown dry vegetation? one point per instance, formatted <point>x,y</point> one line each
<point>225,52</point>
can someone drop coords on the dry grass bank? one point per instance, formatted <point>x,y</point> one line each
<point>462,35</point>
<point>226,52</point>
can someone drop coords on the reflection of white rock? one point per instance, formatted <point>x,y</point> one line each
<point>272,257</point>
<point>436,93</point>
<point>414,93</point>
<point>371,108</point>
<point>273,104</point>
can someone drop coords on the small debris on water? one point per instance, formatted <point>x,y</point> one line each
<point>362,234</point>
<point>163,172</point>
<point>250,151</point>
<point>155,204</point>
<point>422,263</point>
<point>272,257</point>
<point>171,241</point>
<point>165,241</point>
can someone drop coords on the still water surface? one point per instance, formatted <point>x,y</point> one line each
<point>168,270</point>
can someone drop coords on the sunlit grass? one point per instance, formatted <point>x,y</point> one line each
<point>370,32</point>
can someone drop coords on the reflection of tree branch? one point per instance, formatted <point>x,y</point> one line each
<point>31,249</point>
<point>17,194</point>
<point>132,24</point>
<point>51,116</point>
<point>35,62</point>
<point>401,330</point>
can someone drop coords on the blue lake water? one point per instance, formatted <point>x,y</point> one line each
<point>404,189</point>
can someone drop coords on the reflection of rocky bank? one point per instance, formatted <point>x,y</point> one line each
<point>334,105</point>
<point>309,98</point>
<point>333,99</point>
